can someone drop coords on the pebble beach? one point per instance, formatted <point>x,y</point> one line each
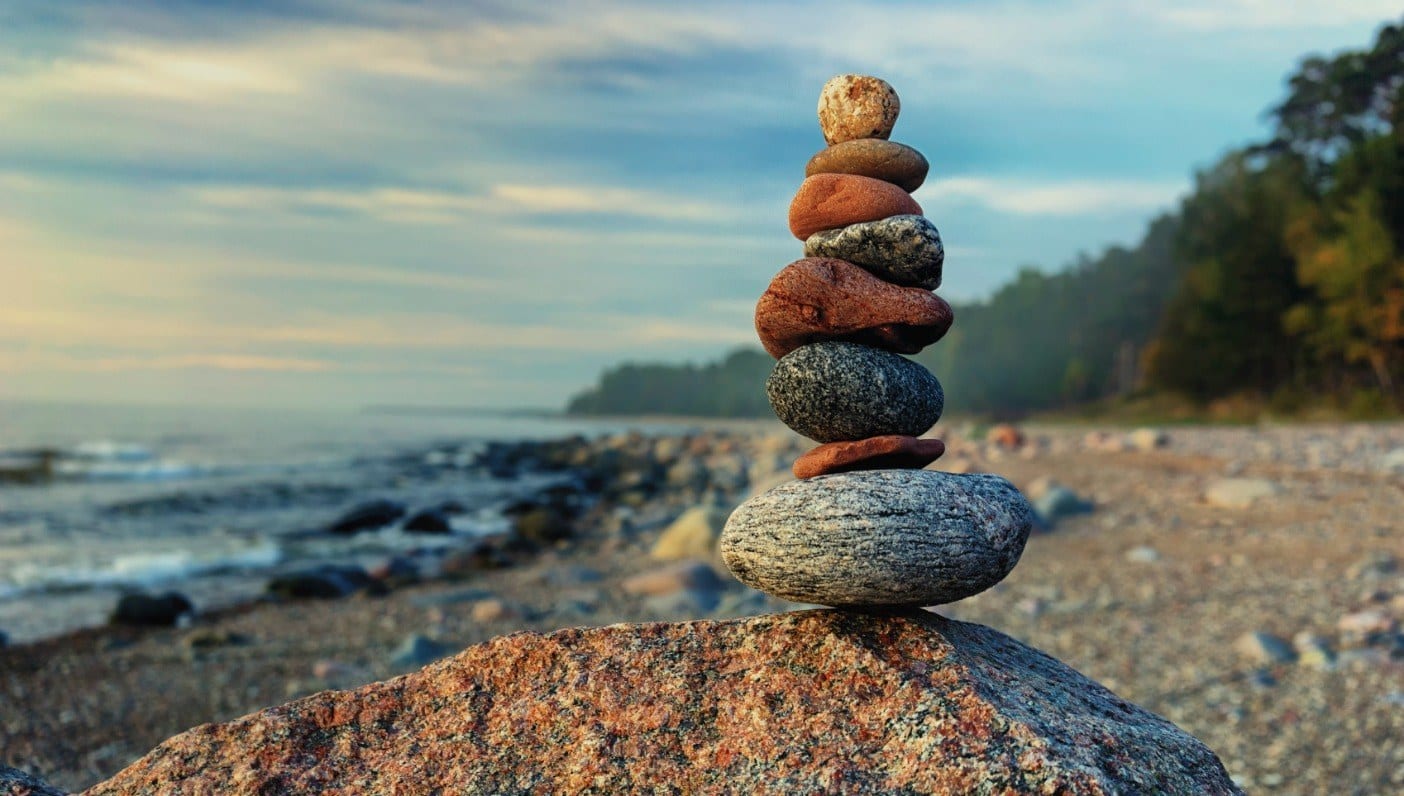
<point>1244,583</point>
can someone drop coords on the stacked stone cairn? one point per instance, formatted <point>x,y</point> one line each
<point>865,524</point>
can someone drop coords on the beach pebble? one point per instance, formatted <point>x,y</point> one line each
<point>395,571</point>
<point>857,106</point>
<point>542,525</point>
<point>1239,493</point>
<point>1393,462</point>
<point>1143,554</point>
<point>151,610</point>
<point>883,160</point>
<point>1058,502</point>
<point>893,452</point>
<point>418,650</point>
<point>495,610</point>
<point>835,391</point>
<point>818,299</point>
<point>367,516</point>
<point>682,605</point>
<point>830,201</point>
<point>1148,439</point>
<point>692,535</point>
<point>1264,648</point>
<point>879,537</point>
<point>684,575</point>
<point>1362,627</point>
<point>901,249</point>
<point>320,583</point>
<point>1314,651</point>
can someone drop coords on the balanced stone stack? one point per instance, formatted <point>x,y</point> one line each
<point>865,524</point>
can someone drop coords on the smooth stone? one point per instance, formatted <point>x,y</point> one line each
<point>692,535</point>
<point>835,392</point>
<point>816,299</point>
<point>367,516</point>
<point>830,201</point>
<point>901,249</point>
<point>888,161</point>
<point>673,578</point>
<point>890,452</point>
<point>857,106</point>
<point>879,537</point>
<point>428,521</point>
<point>1240,493</point>
<point>151,610</point>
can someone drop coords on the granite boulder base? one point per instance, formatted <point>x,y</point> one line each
<point>888,161</point>
<point>879,537</point>
<point>814,300</point>
<point>836,391</point>
<point>903,250</point>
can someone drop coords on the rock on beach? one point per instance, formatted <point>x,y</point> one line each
<point>857,106</point>
<point>883,160</point>
<point>830,201</point>
<point>907,702</point>
<point>901,249</point>
<point>835,391</point>
<point>817,299</point>
<point>879,537</point>
<point>873,453</point>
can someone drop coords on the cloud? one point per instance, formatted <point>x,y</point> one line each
<point>1056,198</point>
<point>1249,15</point>
<point>420,206</point>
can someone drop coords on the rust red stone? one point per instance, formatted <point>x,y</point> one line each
<point>830,201</point>
<point>889,452</point>
<point>818,299</point>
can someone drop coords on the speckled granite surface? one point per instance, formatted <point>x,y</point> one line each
<point>805,702</point>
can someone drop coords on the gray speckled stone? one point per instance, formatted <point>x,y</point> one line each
<point>904,250</point>
<point>879,537</point>
<point>835,391</point>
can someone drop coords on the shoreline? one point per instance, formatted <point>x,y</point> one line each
<point>1150,594</point>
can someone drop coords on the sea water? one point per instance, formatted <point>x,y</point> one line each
<point>98,500</point>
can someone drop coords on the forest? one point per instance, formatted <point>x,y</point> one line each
<point>1279,279</point>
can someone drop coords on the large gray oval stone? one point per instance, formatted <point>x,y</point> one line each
<point>836,391</point>
<point>879,537</point>
<point>904,250</point>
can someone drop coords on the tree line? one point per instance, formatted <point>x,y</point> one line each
<point>1279,277</point>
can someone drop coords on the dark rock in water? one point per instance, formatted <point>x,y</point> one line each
<point>322,583</point>
<point>462,564</point>
<point>367,517</point>
<point>835,391</point>
<point>543,526</point>
<point>904,250</point>
<point>428,521</point>
<point>805,702</point>
<point>395,571</point>
<point>878,537</point>
<point>4,639</point>
<point>14,782</point>
<point>148,610</point>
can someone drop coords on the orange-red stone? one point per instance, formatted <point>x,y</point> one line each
<point>818,299</point>
<point>830,201</point>
<point>891,452</point>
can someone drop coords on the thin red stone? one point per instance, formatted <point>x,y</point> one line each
<point>890,452</point>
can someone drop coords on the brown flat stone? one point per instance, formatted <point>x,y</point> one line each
<point>830,201</point>
<point>888,161</point>
<point>857,106</point>
<point>892,452</point>
<point>817,299</point>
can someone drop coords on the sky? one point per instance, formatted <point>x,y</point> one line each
<point>484,204</point>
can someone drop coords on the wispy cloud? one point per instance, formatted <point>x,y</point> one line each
<point>1054,198</point>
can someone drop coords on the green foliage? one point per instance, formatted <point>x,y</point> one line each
<point>1278,285</point>
<point>732,387</point>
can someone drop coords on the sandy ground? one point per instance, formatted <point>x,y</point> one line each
<point>1160,632</point>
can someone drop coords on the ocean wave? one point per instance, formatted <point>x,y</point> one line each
<point>139,569</point>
